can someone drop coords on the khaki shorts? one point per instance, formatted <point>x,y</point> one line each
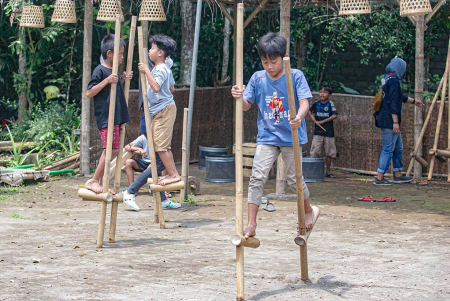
<point>320,142</point>
<point>162,125</point>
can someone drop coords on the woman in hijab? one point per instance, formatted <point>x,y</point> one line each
<point>389,120</point>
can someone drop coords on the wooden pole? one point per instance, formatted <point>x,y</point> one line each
<point>115,205</point>
<point>448,122</point>
<point>157,206</point>
<point>418,93</point>
<point>109,141</point>
<point>418,143</point>
<point>183,155</point>
<point>239,67</point>
<point>298,169</point>
<point>85,101</point>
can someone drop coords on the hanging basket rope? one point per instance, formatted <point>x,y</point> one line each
<point>64,12</point>
<point>109,9</point>
<point>152,10</point>
<point>414,7</point>
<point>354,7</point>
<point>32,16</point>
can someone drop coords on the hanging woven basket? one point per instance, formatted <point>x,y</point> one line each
<point>414,7</point>
<point>152,10</point>
<point>64,12</point>
<point>109,9</point>
<point>354,7</point>
<point>32,16</point>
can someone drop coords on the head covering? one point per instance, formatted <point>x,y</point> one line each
<point>397,66</point>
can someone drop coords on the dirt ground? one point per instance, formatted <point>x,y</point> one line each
<point>358,250</point>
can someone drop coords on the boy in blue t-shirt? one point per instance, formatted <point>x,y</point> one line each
<point>322,113</point>
<point>268,89</point>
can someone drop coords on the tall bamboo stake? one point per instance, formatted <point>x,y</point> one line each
<point>183,156</point>
<point>448,127</point>
<point>115,205</point>
<point>109,141</point>
<point>239,26</point>
<point>298,169</point>
<point>418,143</point>
<point>157,206</point>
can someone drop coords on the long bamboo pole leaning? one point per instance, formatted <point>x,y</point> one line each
<point>115,205</point>
<point>440,115</point>
<point>298,169</point>
<point>239,27</point>
<point>157,206</point>
<point>430,110</point>
<point>109,141</point>
<point>183,155</point>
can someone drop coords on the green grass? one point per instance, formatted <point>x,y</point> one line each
<point>3,197</point>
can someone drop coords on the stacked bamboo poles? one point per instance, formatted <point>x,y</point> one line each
<point>115,205</point>
<point>109,141</point>
<point>239,26</point>
<point>183,156</point>
<point>298,170</point>
<point>414,154</point>
<point>72,160</point>
<point>157,206</point>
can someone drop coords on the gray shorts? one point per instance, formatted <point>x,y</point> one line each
<point>265,156</point>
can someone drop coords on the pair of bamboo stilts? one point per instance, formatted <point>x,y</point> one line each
<point>238,239</point>
<point>434,152</point>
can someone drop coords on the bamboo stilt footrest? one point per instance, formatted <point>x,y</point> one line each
<point>89,195</point>
<point>440,152</point>
<point>302,239</point>
<point>239,240</point>
<point>169,187</point>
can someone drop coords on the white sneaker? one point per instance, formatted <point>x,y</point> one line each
<point>130,200</point>
<point>170,205</point>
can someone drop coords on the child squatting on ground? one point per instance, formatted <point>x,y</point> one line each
<point>161,103</point>
<point>322,113</point>
<point>99,88</point>
<point>274,127</point>
<point>143,165</point>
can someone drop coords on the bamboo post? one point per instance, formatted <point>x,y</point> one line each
<point>109,141</point>
<point>298,169</point>
<point>183,155</point>
<point>440,114</point>
<point>418,143</point>
<point>157,206</point>
<point>115,205</point>
<point>239,67</point>
<point>448,127</point>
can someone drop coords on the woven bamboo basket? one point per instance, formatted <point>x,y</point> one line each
<point>32,16</point>
<point>64,12</point>
<point>414,7</point>
<point>354,7</point>
<point>152,10</point>
<point>109,9</point>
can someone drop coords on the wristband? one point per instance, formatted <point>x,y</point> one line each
<point>414,101</point>
<point>395,122</point>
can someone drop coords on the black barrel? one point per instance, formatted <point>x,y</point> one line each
<point>220,169</point>
<point>204,151</point>
<point>313,169</point>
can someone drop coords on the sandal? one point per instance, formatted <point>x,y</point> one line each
<point>367,199</point>
<point>387,199</point>
<point>269,207</point>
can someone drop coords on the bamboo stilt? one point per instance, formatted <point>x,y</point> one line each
<point>420,160</point>
<point>298,170</point>
<point>183,155</point>
<point>439,122</point>
<point>114,206</point>
<point>169,187</point>
<point>109,141</point>
<point>303,239</point>
<point>418,143</point>
<point>89,195</point>
<point>157,206</point>
<point>239,240</point>
<point>239,67</point>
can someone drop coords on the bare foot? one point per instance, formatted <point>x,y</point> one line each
<point>94,186</point>
<point>250,231</point>
<point>169,179</point>
<point>309,218</point>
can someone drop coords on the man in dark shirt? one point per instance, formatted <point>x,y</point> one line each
<point>322,113</point>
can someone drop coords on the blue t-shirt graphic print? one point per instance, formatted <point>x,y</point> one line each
<point>273,106</point>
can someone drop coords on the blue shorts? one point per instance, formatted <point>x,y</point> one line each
<point>142,164</point>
